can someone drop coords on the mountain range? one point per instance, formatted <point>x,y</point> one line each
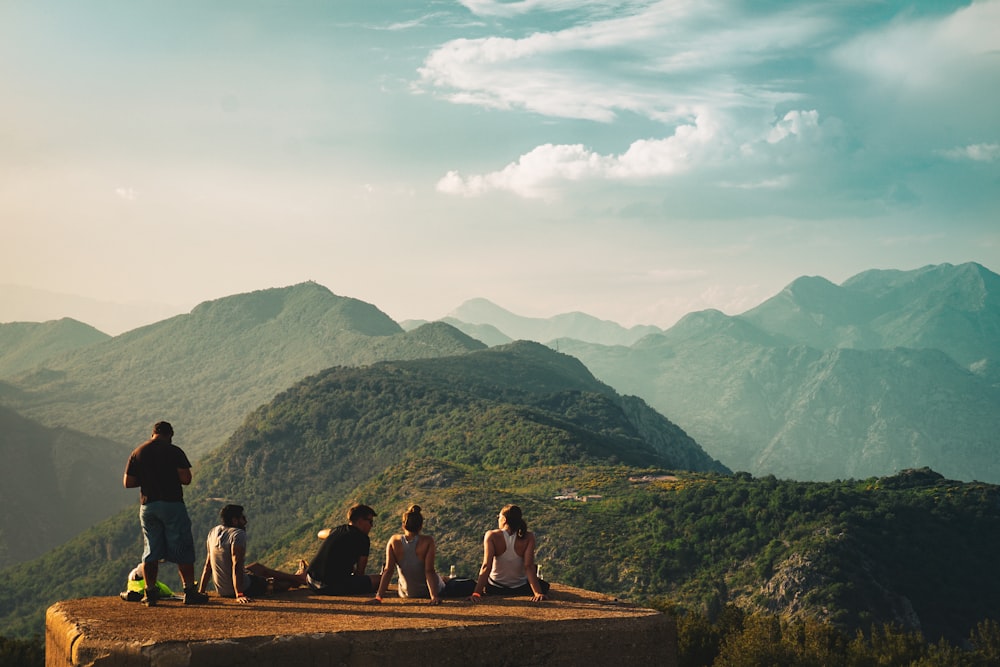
<point>322,400</point>
<point>493,325</point>
<point>890,370</point>
<point>466,434</point>
<point>955,309</point>
<point>204,371</point>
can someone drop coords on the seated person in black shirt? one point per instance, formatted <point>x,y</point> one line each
<point>339,567</point>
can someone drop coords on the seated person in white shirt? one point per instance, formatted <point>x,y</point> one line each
<point>226,562</point>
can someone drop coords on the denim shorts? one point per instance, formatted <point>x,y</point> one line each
<point>166,532</point>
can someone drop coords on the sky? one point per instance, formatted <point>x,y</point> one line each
<point>634,160</point>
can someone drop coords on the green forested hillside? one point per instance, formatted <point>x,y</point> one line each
<point>503,409</point>
<point>54,482</point>
<point>527,425</point>
<point>24,345</point>
<point>510,407</point>
<point>205,371</point>
<point>914,550</point>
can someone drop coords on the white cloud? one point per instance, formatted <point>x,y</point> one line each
<point>702,69</point>
<point>530,175</point>
<point>707,144</point>
<point>420,22</point>
<point>798,124</point>
<point>776,183</point>
<point>128,194</point>
<point>926,54</point>
<point>935,81</point>
<point>508,9</point>
<point>802,96</point>
<point>975,152</point>
<point>660,61</point>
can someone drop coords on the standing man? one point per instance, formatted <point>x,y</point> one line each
<point>159,468</point>
<point>339,567</point>
<point>226,564</point>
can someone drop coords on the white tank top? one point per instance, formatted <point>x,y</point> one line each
<point>508,567</point>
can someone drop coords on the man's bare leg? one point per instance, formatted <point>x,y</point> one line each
<point>150,570</point>
<point>297,579</point>
<point>187,574</point>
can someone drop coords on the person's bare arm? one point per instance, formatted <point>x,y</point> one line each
<point>239,554</point>
<point>430,574</point>
<point>130,481</point>
<point>531,570</point>
<point>390,564</point>
<point>184,474</point>
<point>484,570</point>
<point>205,571</point>
<point>361,565</point>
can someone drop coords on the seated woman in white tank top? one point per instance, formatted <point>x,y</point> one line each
<point>509,559</point>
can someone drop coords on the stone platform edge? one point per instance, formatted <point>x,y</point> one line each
<point>644,638</point>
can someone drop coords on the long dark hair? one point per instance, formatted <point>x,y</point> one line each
<point>413,520</point>
<point>512,513</point>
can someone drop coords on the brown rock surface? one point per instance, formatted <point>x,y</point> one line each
<point>109,630</point>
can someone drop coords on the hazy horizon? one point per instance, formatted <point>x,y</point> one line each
<point>633,160</point>
<point>25,304</point>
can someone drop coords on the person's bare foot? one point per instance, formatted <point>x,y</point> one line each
<point>303,566</point>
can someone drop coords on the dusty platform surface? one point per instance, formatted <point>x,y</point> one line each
<point>344,630</point>
<point>301,612</point>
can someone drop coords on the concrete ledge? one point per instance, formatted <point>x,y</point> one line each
<point>577,627</point>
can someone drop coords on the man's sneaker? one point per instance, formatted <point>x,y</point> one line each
<point>130,596</point>
<point>152,596</point>
<point>192,596</point>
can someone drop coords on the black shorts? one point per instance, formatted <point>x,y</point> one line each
<point>523,589</point>
<point>257,587</point>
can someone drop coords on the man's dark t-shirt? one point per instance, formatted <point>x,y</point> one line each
<point>339,554</point>
<point>154,463</point>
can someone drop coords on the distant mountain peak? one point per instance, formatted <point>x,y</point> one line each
<point>480,311</point>
<point>293,301</point>
<point>24,345</point>
<point>892,369</point>
<point>574,324</point>
<point>809,288</point>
